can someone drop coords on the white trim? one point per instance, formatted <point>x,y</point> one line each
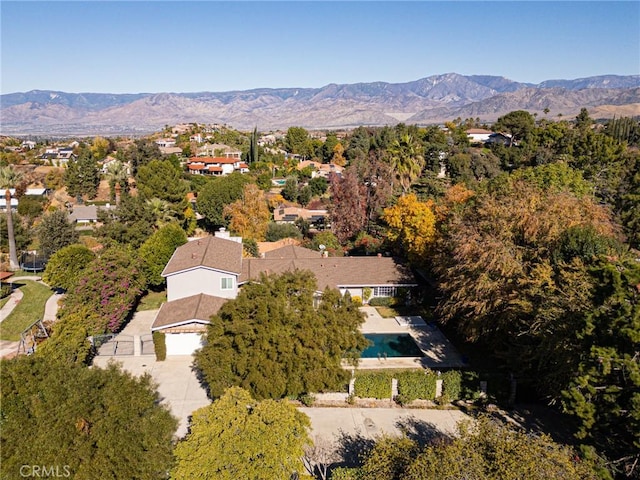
<point>178,324</point>
<point>211,269</point>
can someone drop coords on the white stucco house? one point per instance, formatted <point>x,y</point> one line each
<point>205,273</point>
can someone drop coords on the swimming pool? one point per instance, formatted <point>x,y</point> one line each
<point>391,345</point>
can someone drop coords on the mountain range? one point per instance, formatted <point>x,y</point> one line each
<point>429,100</point>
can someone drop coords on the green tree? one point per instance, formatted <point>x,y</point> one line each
<point>407,159</point>
<point>519,124</point>
<point>329,241</point>
<point>21,235</point>
<point>304,195</point>
<point>290,190</point>
<point>82,176</point>
<point>141,152</point>
<point>160,179</point>
<point>10,178</point>
<point>217,194</point>
<point>319,186</point>
<point>278,231</point>
<point>605,393</point>
<point>64,268</point>
<point>253,156</point>
<point>54,232</point>
<point>273,342</point>
<point>297,141</point>
<point>158,249</point>
<point>237,437</point>
<point>128,224</point>
<point>485,450</point>
<point>73,417</point>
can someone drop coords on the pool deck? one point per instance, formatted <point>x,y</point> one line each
<point>438,351</point>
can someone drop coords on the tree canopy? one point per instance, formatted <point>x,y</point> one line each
<point>485,450</point>
<point>64,268</point>
<point>272,341</point>
<point>54,232</point>
<point>237,437</point>
<point>98,423</point>
<point>217,194</point>
<point>156,251</point>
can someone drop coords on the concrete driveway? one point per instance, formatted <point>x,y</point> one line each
<point>177,384</point>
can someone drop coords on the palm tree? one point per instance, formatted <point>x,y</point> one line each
<point>9,178</point>
<point>162,211</point>
<point>407,159</point>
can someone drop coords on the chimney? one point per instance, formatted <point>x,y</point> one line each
<point>379,255</point>
<point>222,233</point>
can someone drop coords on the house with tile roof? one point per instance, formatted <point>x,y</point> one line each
<point>205,273</point>
<point>217,166</point>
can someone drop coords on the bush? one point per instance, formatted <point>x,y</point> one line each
<point>470,385</point>
<point>413,385</point>
<point>381,301</point>
<point>452,385</point>
<point>356,300</point>
<point>373,385</point>
<point>366,293</point>
<point>160,346</point>
<point>307,399</point>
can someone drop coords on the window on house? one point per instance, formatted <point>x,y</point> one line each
<point>227,283</point>
<point>383,291</point>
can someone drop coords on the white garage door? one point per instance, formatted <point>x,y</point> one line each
<point>182,343</point>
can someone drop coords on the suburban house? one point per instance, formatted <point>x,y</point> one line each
<point>478,135</point>
<point>218,150</point>
<point>284,214</point>
<point>84,214</point>
<point>206,272</point>
<point>321,169</point>
<point>58,156</point>
<point>218,166</point>
<point>502,138</point>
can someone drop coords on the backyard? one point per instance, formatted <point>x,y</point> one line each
<point>27,310</point>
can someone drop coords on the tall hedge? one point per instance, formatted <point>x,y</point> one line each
<point>373,385</point>
<point>416,384</point>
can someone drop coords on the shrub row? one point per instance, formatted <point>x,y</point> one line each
<point>419,384</point>
<point>416,384</point>
<point>373,385</point>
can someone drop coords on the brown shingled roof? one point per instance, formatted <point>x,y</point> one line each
<point>195,309</point>
<point>335,272</point>
<point>292,251</point>
<point>211,252</point>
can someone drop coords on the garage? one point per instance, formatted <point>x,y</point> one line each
<point>182,343</point>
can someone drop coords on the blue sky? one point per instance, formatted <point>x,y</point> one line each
<point>165,46</point>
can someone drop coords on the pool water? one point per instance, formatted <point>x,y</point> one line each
<point>391,345</point>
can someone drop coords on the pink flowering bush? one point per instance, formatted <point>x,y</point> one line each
<point>110,288</point>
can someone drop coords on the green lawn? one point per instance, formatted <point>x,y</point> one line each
<point>30,309</point>
<point>152,301</point>
<point>402,310</point>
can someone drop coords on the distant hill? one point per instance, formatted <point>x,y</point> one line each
<point>432,99</point>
